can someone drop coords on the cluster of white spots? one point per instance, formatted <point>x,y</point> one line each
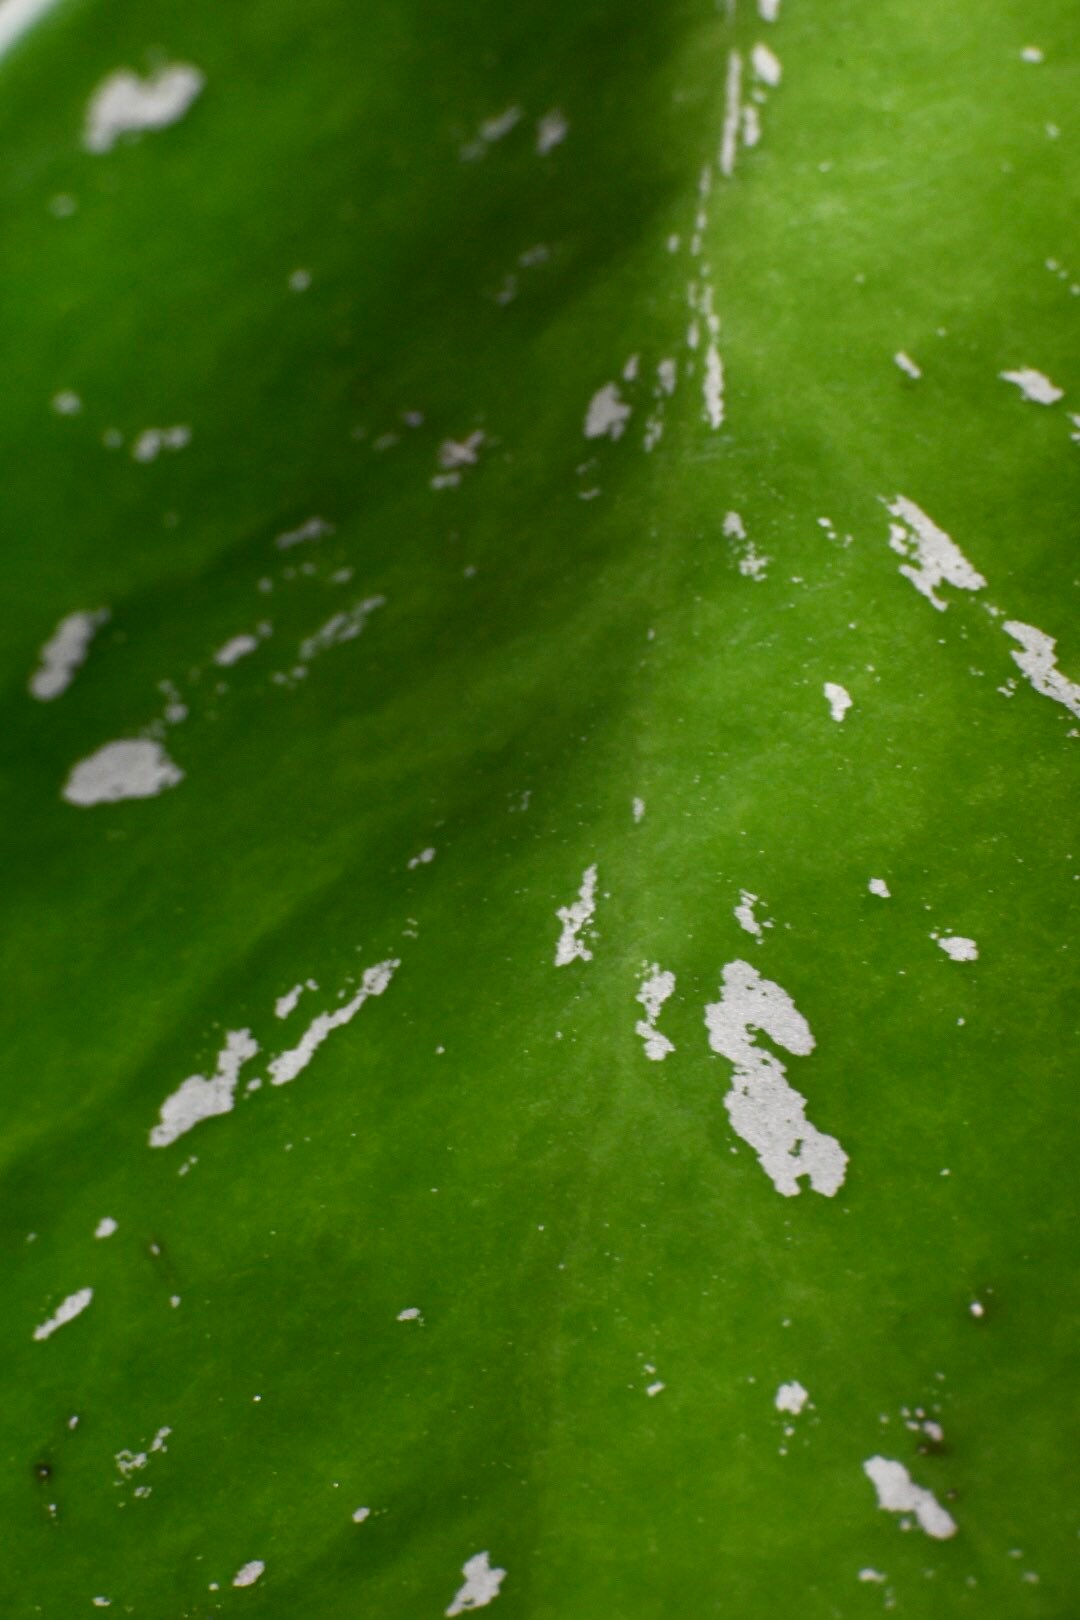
<point>1034,385</point>
<point>152,441</point>
<point>425,858</point>
<point>764,1109</point>
<point>198,1098</point>
<point>897,1493</point>
<point>637,809</point>
<point>315,528</point>
<point>838,699</point>
<point>64,653</point>
<point>656,987</point>
<point>132,1462</point>
<point>1032,54</point>
<point>65,1312</point>
<point>481,1586</point>
<point>766,66</point>
<point>66,403</point>
<point>124,104</point>
<point>576,919</point>
<point>957,947</point>
<point>607,415</point>
<point>879,887</point>
<point>713,387</point>
<point>744,914</point>
<point>105,1227</point>
<point>289,1064</point>
<point>791,1398</point>
<point>752,564</point>
<point>667,375</point>
<point>249,1573</point>
<point>491,130</point>
<point>907,364</point>
<point>935,559</point>
<point>341,627</point>
<point>286,1004</point>
<point>361,1514</point>
<point>234,649</point>
<point>551,130</point>
<point>131,768</point>
<point>412,1313</point>
<point>1038,662</point>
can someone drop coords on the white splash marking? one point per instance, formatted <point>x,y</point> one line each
<point>152,441</point>
<point>65,1312</point>
<point>551,131</point>
<point>1034,386</point>
<point>124,104</point>
<point>936,558</point>
<point>791,1398</point>
<point>712,387</point>
<point>249,1574</point>
<point>872,1575</point>
<point>101,1602</point>
<point>957,947</point>
<point>656,987</point>
<point>751,125</point>
<point>425,858</point>
<point>766,66</point>
<point>879,887</point>
<point>976,1308</point>
<point>17,17</point>
<point>345,626</point>
<point>315,528</point>
<point>897,1493</point>
<point>455,453</point>
<point>299,281</point>
<point>235,649</point>
<point>907,364</point>
<point>361,1514</point>
<point>637,809</point>
<point>1038,661</point>
<point>291,1063</point>
<point>66,403</point>
<point>729,135</point>
<point>64,653</point>
<point>1033,54</point>
<point>764,1109</point>
<point>286,1004</point>
<point>481,1585</point>
<point>744,914</point>
<point>607,414</point>
<point>411,1314</point>
<point>655,1389</point>
<point>768,10</point>
<point>105,1227</point>
<point>197,1098</point>
<point>839,699</point>
<point>132,768</point>
<point>575,919</point>
<point>491,130</point>
<point>667,373</point>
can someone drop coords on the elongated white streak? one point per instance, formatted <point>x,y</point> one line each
<point>17,17</point>
<point>70,1308</point>
<point>198,1098</point>
<point>575,920</point>
<point>64,653</point>
<point>1038,662</point>
<point>729,135</point>
<point>712,387</point>
<point>290,1063</point>
<point>764,1109</point>
<point>898,1493</point>
<point>1034,385</point>
<point>934,558</point>
<point>656,987</point>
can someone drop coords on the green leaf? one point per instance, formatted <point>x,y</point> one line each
<point>540,689</point>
